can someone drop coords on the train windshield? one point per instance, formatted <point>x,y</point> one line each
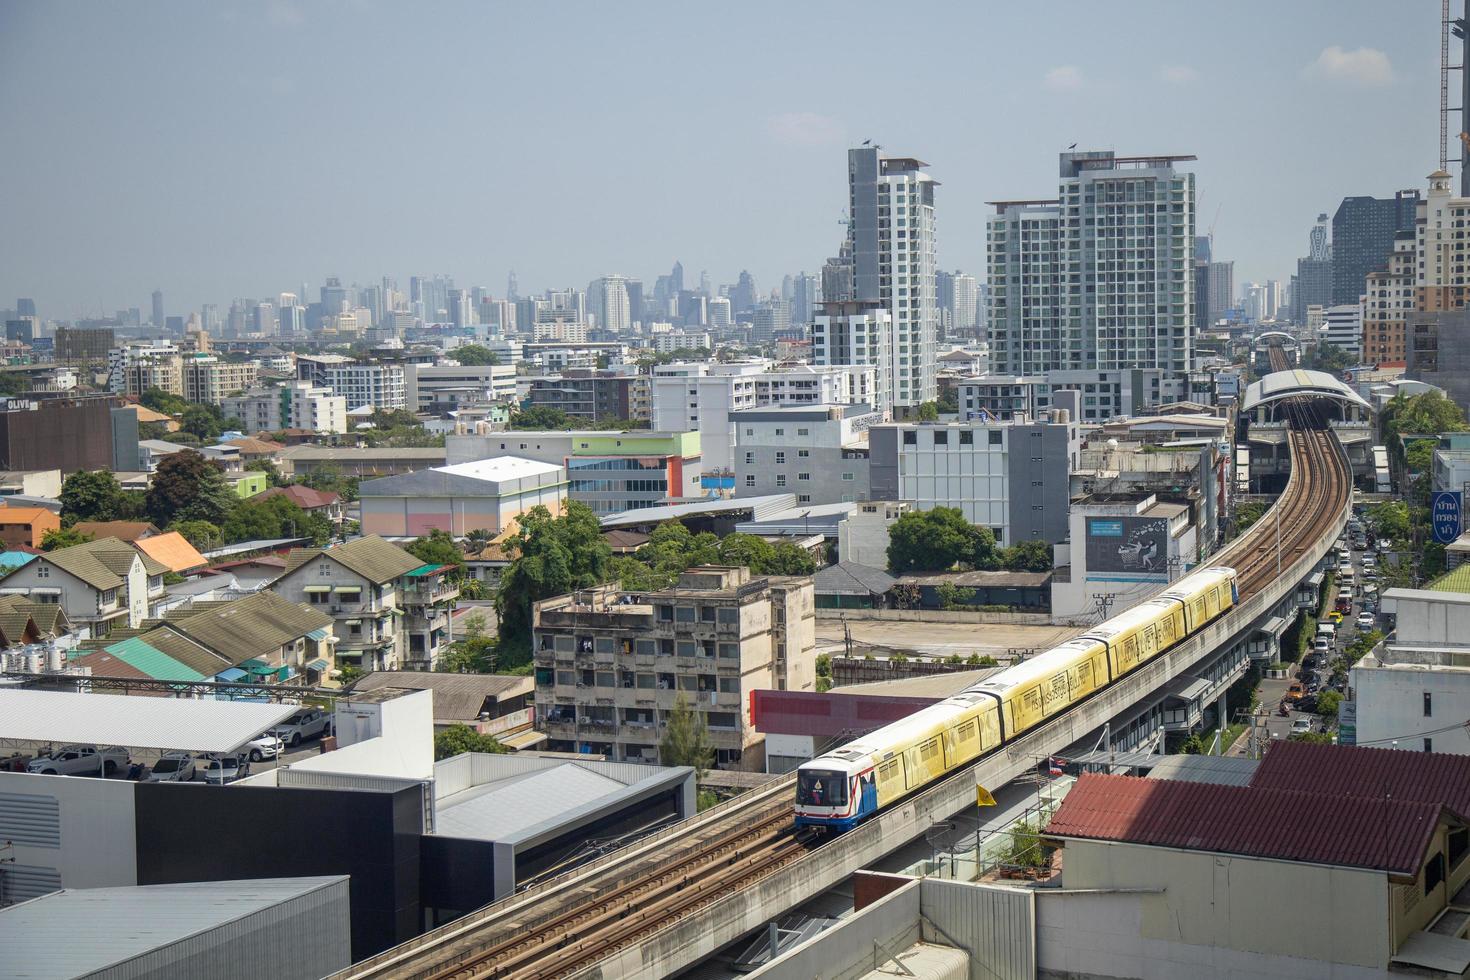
<point>816,787</point>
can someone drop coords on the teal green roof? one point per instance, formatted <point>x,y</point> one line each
<point>425,570</point>
<point>320,634</point>
<point>152,661</point>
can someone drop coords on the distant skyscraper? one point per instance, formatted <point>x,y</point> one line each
<point>25,307</point>
<point>1056,305</point>
<point>772,317</point>
<point>1202,248</point>
<point>158,308</point>
<point>1222,289</point>
<point>634,288</point>
<point>1363,231</point>
<point>512,288</point>
<point>719,311</point>
<point>957,298</point>
<point>704,284</point>
<point>743,297</point>
<point>334,297</point>
<point>607,299</point>
<point>461,313</point>
<point>292,319</point>
<point>264,320</point>
<point>1320,246</point>
<point>676,278</point>
<point>806,293</point>
<point>1313,273</point>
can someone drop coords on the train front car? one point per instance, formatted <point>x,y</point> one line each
<point>835,791</point>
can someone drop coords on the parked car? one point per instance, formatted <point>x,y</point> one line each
<point>81,760</point>
<point>1322,645</point>
<point>305,723</point>
<point>226,769</point>
<point>173,767</point>
<point>1301,726</point>
<point>1385,545</point>
<point>1307,704</point>
<point>263,746</point>
<point>1366,621</point>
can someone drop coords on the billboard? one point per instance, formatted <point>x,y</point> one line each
<point>1128,544</point>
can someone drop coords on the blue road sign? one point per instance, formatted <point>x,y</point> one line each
<point>1444,515</point>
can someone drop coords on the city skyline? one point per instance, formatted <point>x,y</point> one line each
<point>294,168</point>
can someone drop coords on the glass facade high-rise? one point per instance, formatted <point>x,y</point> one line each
<point>1102,277</point>
<point>1363,230</point>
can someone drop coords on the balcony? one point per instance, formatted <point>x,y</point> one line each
<point>428,595</point>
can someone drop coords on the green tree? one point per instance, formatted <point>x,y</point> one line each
<point>274,517</point>
<point>475,355</point>
<point>459,739</point>
<point>550,556</point>
<point>788,559</point>
<point>203,535</point>
<point>1028,556</point>
<point>949,402</point>
<point>1328,702</point>
<point>63,538</point>
<point>162,401</point>
<point>928,412</point>
<point>476,541</point>
<point>669,550</point>
<point>91,495</point>
<point>953,596</point>
<point>188,487</point>
<point>1314,738</point>
<point>1429,413</point>
<point>437,549</point>
<point>473,652</point>
<point>1390,520</point>
<point>541,417</point>
<point>745,549</point>
<point>201,421</point>
<point>686,739</point>
<point>935,541</point>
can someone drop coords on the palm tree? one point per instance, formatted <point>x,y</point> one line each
<point>476,541</point>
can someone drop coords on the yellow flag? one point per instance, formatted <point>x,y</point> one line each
<point>983,797</point>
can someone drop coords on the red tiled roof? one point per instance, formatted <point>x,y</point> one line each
<point>1286,825</point>
<point>304,497</point>
<point>1347,770</point>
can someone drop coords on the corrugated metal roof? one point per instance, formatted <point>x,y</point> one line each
<point>1456,580</point>
<point>171,550</point>
<point>457,697</point>
<point>1227,770</point>
<point>254,626</point>
<point>1286,825</point>
<point>500,809</point>
<point>81,931</point>
<point>850,578</point>
<point>151,723</point>
<point>151,661</point>
<point>372,557</point>
<point>1365,771</point>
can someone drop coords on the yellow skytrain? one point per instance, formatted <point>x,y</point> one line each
<point>849,784</point>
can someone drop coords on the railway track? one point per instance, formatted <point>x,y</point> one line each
<point>585,922</point>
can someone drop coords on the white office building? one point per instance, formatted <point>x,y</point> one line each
<point>443,386</point>
<point>888,261</point>
<point>298,405</point>
<point>607,299</point>
<point>1342,327</point>
<point>856,334</point>
<point>1410,693</point>
<point>379,386</point>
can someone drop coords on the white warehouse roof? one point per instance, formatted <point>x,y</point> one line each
<point>499,468</point>
<point>144,723</point>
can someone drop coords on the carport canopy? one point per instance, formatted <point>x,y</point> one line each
<point>186,724</point>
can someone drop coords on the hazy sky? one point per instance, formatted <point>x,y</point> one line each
<point>221,150</point>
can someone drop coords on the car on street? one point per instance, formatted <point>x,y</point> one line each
<point>1300,726</point>
<point>1385,545</point>
<point>1365,621</point>
<point>226,769</point>
<point>1321,645</point>
<point>173,767</point>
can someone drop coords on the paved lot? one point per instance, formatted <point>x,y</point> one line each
<point>940,639</point>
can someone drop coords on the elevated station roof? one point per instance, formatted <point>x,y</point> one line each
<point>1290,384</point>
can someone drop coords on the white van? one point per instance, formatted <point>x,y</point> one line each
<point>1328,630</point>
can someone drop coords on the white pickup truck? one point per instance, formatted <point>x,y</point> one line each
<point>81,760</point>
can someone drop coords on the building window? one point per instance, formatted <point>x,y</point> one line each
<point>1429,745</point>
<point>941,438</point>
<point>804,498</point>
<point>780,432</point>
<point>780,479</point>
<point>910,437</point>
<point>803,476</point>
<point>750,479</point>
<point>847,476</point>
<point>967,438</point>
<point>1428,705</point>
<point>684,614</point>
<point>803,454</point>
<point>994,435</point>
<point>801,432</point>
<point>749,459</point>
<point>780,459</point>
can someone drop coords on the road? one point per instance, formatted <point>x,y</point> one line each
<point>1270,723</point>
<point>939,639</point>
